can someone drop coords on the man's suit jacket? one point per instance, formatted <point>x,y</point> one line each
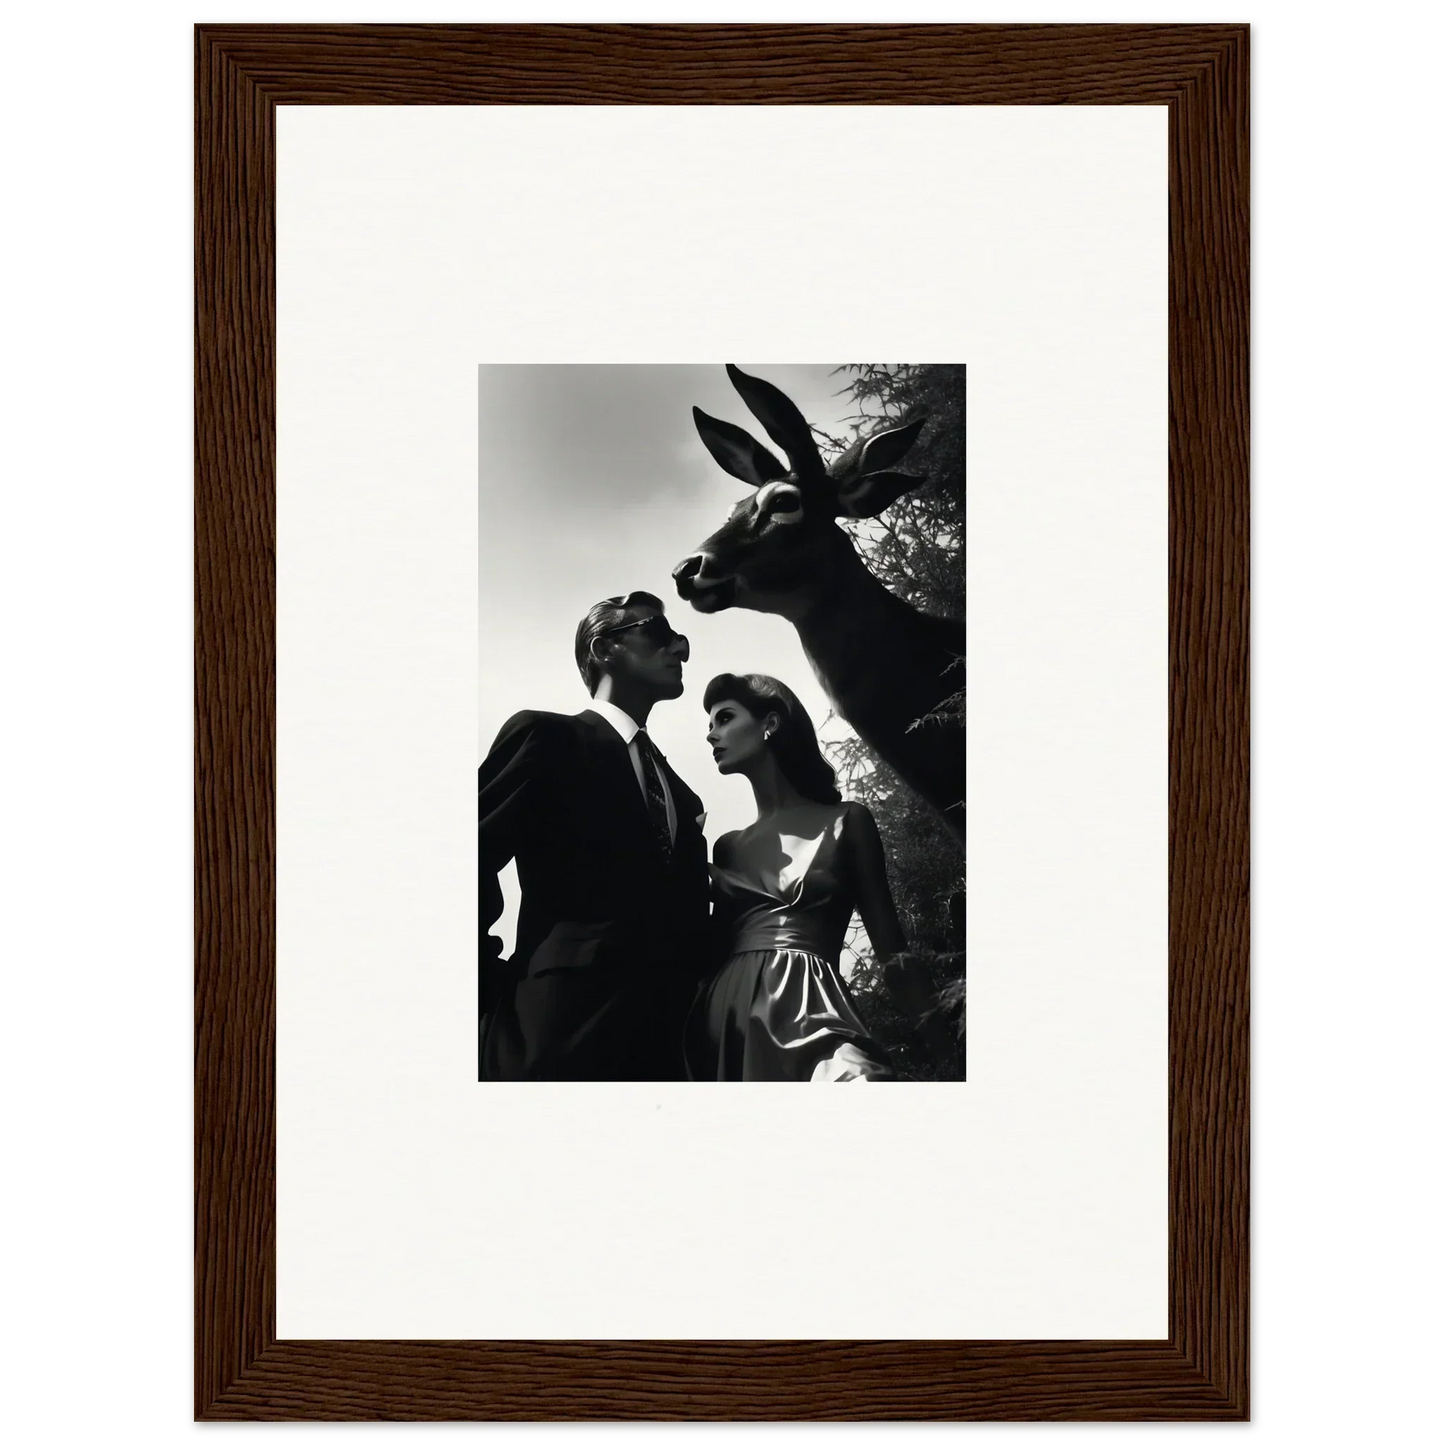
<point>611,937</point>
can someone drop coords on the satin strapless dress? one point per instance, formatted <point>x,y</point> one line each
<point>779,1009</point>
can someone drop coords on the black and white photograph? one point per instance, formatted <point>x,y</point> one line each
<point>721,672</point>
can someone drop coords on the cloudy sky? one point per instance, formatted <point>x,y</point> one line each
<point>593,481</point>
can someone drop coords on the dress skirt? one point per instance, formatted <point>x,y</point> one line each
<point>780,1015</point>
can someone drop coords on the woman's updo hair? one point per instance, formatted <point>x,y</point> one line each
<point>794,743</point>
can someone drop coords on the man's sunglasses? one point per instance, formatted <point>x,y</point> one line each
<point>657,630</point>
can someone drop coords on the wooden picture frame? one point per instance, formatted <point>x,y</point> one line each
<point>242,1371</point>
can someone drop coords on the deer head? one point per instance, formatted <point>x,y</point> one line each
<point>781,547</point>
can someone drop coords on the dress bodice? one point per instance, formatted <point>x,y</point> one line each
<point>788,891</point>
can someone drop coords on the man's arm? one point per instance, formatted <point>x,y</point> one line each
<point>508,788</point>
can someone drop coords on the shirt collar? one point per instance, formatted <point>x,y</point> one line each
<point>624,724</point>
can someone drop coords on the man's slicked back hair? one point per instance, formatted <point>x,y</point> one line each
<point>610,612</point>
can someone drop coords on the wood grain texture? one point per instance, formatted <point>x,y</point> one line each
<point>242,1372</point>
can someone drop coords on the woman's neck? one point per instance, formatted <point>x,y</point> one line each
<point>772,791</point>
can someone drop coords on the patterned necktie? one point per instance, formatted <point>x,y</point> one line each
<point>656,798</point>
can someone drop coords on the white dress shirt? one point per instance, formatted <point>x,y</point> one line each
<point>627,729</point>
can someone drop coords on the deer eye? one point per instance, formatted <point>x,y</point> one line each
<point>780,502</point>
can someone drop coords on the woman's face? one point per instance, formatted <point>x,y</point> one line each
<point>735,735</point>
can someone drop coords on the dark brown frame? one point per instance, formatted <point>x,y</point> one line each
<point>242,1371</point>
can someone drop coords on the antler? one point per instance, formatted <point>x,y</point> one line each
<point>782,421</point>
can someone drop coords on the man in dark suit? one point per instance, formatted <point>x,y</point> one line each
<point>612,865</point>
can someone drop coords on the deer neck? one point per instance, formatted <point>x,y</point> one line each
<point>849,628</point>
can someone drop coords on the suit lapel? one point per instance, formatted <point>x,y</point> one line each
<point>618,781</point>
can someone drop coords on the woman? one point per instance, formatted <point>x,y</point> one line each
<point>785,888</point>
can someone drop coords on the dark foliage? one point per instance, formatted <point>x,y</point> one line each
<point>916,549</point>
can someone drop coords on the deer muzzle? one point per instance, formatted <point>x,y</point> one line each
<point>705,593</point>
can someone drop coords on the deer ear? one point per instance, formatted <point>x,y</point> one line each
<point>888,448</point>
<point>874,493</point>
<point>736,452</point>
<point>844,467</point>
<point>781,420</point>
